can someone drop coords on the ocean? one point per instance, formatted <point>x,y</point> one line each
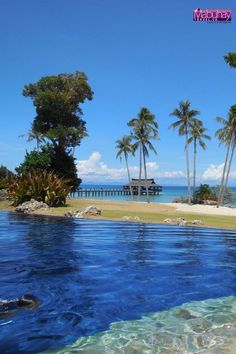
<point>166,196</point>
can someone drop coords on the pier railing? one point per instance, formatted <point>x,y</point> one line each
<point>88,192</point>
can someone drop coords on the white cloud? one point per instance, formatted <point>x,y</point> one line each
<point>214,173</point>
<point>95,170</point>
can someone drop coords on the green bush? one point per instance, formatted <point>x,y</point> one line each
<point>4,174</point>
<point>229,195</point>
<point>52,159</point>
<point>204,192</point>
<point>40,185</point>
<point>36,160</point>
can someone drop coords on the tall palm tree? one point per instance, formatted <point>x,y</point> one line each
<point>145,128</point>
<point>186,118</point>
<point>142,138</point>
<point>198,135</point>
<point>124,147</point>
<point>224,135</point>
<point>227,136</point>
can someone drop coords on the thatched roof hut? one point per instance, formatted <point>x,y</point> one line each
<point>153,188</point>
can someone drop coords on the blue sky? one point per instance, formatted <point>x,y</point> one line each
<point>136,53</point>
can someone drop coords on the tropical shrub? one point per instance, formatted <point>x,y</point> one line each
<point>229,195</point>
<point>52,159</point>
<point>39,185</point>
<point>36,160</point>
<point>204,192</point>
<point>4,173</point>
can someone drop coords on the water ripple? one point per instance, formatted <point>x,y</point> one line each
<point>89,274</point>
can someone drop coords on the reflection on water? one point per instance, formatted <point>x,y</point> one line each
<point>207,327</point>
<point>89,274</point>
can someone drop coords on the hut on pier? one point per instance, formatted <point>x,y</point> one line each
<point>153,188</point>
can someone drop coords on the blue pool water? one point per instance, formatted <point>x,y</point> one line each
<point>89,274</point>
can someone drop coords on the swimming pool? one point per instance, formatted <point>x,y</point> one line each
<point>89,274</point>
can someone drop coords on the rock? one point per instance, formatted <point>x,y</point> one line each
<point>92,210</point>
<point>130,218</point>
<point>185,314</point>
<point>89,211</point>
<point>30,206</point>
<point>168,221</point>
<point>182,222</point>
<point>209,202</point>
<point>79,215</point>
<point>197,222</point>
<point>180,200</point>
<point>71,213</point>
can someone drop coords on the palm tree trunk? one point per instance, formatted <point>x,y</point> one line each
<point>140,171</point>
<point>194,165</point>
<point>227,175</point>
<point>145,174</point>
<point>37,143</point>
<point>223,177</point>
<point>127,167</point>
<point>187,163</point>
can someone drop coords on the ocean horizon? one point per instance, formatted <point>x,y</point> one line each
<point>166,196</point>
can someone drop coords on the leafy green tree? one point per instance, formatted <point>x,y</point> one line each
<point>49,159</point>
<point>144,129</point>
<point>227,136</point>
<point>63,165</point>
<point>57,102</point>
<point>186,118</point>
<point>125,148</point>
<point>40,160</point>
<point>197,135</point>
<point>230,59</point>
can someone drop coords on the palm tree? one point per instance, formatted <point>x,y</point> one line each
<point>124,147</point>
<point>227,136</point>
<point>145,128</point>
<point>142,138</point>
<point>198,135</point>
<point>230,59</point>
<point>186,120</point>
<point>33,134</point>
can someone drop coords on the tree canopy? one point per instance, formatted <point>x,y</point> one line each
<point>57,101</point>
<point>230,59</point>
<point>58,126</point>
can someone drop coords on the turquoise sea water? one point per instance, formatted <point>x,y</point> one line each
<point>166,196</point>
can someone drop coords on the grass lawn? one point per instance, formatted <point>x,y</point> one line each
<point>152,213</point>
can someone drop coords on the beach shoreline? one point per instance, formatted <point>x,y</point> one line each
<point>203,209</point>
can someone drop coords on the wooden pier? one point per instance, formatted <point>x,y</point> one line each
<point>99,192</point>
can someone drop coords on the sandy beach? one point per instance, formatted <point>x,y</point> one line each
<point>202,209</point>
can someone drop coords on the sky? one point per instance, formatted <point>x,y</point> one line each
<point>136,53</point>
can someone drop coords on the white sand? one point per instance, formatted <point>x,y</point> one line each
<point>203,209</point>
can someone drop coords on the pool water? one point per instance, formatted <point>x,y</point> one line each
<point>91,274</point>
